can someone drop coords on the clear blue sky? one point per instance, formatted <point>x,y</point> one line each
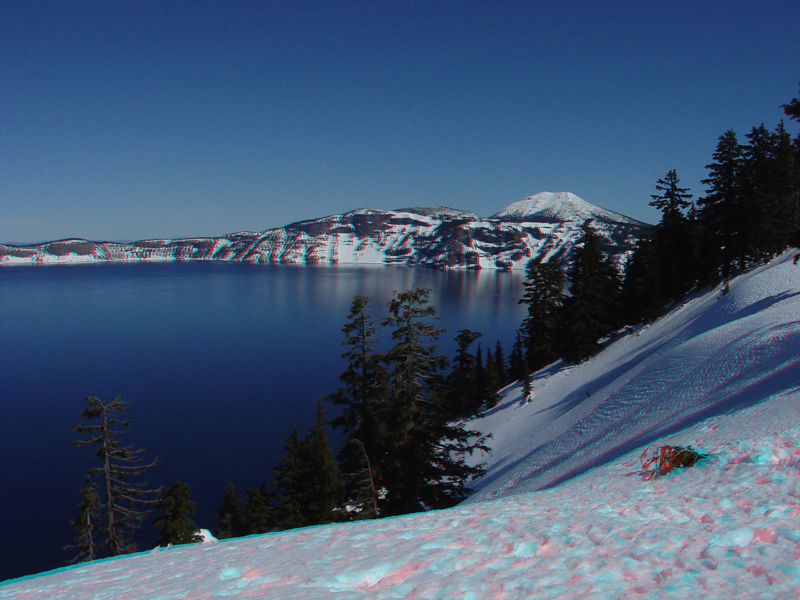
<point>123,120</point>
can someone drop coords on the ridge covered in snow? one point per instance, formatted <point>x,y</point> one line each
<point>433,236</point>
<point>565,510</point>
<point>562,207</point>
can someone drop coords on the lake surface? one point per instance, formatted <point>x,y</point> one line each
<point>217,360</point>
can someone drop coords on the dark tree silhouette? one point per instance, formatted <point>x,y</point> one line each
<point>125,503</point>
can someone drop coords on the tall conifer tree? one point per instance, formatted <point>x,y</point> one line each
<point>720,209</point>
<point>675,248</point>
<point>590,312</point>
<point>426,467</point>
<point>259,515</point>
<point>230,514</point>
<point>363,397</point>
<point>125,503</point>
<point>544,298</point>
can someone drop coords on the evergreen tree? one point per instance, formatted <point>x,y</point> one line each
<point>769,184</point>
<point>125,503</point>
<point>322,487</point>
<point>479,377</point>
<point>720,210</point>
<point>673,200</point>
<point>515,359</point>
<point>461,396</point>
<point>176,524</point>
<point>674,246</point>
<point>259,515</point>
<point>589,313</point>
<point>792,109</point>
<point>492,382</point>
<point>307,479</point>
<point>289,479</point>
<point>544,297</point>
<point>230,515</point>
<point>363,398</point>
<point>426,467</point>
<point>87,525</point>
<point>639,297</point>
<point>500,364</point>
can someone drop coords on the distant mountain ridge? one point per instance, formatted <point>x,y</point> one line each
<point>546,224</point>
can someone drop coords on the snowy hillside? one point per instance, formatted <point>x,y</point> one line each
<point>433,236</point>
<point>559,207</point>
<point>719,373</point>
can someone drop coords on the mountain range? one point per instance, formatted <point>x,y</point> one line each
<point>546,224</point>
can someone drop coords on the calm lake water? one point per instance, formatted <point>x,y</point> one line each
<point>217,360</point>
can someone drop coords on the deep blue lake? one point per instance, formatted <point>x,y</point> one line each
<point>217,360</point>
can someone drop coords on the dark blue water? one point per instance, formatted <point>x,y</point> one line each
<point>217,360</point>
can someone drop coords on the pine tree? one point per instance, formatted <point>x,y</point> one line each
<point>673,200</point>
<point>544,298</point>
<point>230,515</point>
<point>322,487</point>
<point>426,467</point>
<point>675,249</point>
<point>515,359</point>
<point>87,525</point>
<point>590,312</point>
<point>363,398</point>
<point>125,503</point>
<point>461,396</point>
<point>259,515</point>
<point>792,109</point>
<point>288,478</point>
<point>176,524</point>
<point>307,479</point>
<point>500,364</point>
<point>492,382</point>
<point>720,210</point>
<point>769,187</point>
<point>639,298</point>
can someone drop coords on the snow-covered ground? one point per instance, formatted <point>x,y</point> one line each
<point>719,373</point>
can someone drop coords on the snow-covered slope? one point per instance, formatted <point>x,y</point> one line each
<point>559,207</point>
<point>719,373</point>
<point>433,236</point>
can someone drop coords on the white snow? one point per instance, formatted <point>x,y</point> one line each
<point>720,373</point>
<point>562,206</point>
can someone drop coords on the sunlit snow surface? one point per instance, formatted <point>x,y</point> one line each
<point>727,528</point>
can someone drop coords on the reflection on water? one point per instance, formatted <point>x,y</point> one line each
<point>218,361</point>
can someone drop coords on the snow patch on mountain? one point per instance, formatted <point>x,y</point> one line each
<point>562,206</point>
<point>432,236</point>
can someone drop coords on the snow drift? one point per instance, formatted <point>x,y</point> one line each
<point>565,510</point>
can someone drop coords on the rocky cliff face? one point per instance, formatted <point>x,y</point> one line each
<point>546,225</point>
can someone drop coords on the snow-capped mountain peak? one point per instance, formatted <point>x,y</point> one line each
<point>560,206</point>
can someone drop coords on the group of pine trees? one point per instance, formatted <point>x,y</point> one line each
<point>403,415</point>
<point>750,213</point>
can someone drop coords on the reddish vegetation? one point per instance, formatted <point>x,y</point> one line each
<point>664,459</point>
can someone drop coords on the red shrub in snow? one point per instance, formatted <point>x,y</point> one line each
<point>664,459</point>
